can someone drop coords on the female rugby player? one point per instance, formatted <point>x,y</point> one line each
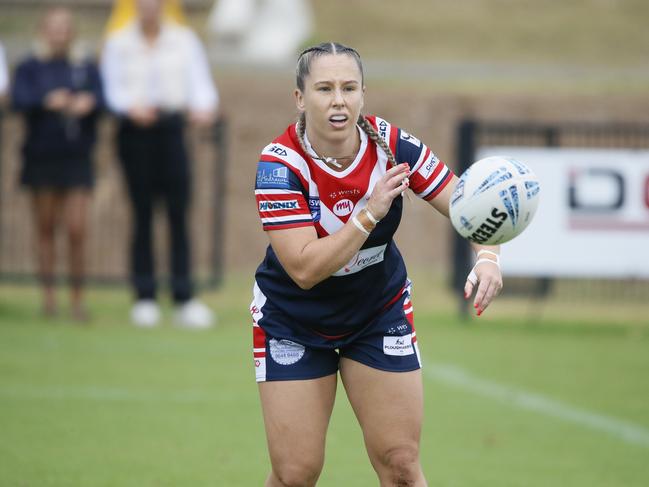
<point>332,293</point>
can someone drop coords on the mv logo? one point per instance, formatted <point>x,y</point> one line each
<point>343,207</point>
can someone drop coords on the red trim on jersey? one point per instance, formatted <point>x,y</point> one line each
<point>441,186</point>
<point>395,298</point>
<point>271,227</point>
<point>393,139</point>
<point>410,317</point>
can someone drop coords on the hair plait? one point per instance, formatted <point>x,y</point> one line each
<point>378,140</point>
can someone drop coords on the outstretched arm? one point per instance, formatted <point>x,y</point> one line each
<point>486,272</point>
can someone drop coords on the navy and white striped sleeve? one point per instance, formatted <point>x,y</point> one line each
<point>428,175</point>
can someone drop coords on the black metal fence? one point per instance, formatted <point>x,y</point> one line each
<point>474,134</point>
<point>109,215</point>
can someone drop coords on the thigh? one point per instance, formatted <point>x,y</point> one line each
<point>46,207</point>
<point>76,208</point>
<point>296,416</point>
<point>389,408</point>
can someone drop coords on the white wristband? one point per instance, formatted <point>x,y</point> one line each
<point>480,261</point>
<point>371,217</point>
<point>473,277</point>
<point>360,226</point>
<point>489,252</point>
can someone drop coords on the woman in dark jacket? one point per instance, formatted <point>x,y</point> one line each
<point>60,96</point>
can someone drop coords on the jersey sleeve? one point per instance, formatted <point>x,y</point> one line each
<point>280,197</point>
<point>428,175</point>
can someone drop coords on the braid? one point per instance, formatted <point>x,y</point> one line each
<point>378,140</point>
<point>300,129</point>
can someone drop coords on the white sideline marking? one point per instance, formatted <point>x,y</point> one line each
<point>103,394</point>
<point>456,376</point>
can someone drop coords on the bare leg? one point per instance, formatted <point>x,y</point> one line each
<point>296,415</point>
<point>46,208</point>
<point>76,210</point>
<point>389,408</point>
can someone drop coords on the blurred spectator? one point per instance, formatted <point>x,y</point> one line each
<point>260,31</point>
<point>59,93</point>
<point>156,76</point>
<point>4,76</point>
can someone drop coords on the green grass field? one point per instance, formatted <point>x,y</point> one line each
<point>562,400</point>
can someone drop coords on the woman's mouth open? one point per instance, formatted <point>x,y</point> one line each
<point>338,121</point>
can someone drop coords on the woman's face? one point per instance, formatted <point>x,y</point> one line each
<point>149,11</point>
<point>57,31</point>
<point>332,98</point>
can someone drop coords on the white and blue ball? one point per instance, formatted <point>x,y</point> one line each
<point>494,201</point>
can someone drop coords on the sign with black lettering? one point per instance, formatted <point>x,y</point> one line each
<point>592,219</point>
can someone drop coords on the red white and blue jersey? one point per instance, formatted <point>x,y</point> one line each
<point>293,190</point>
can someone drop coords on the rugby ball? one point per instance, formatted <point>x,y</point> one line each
<point>494,200</point>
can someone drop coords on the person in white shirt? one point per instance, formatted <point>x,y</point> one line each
<point>156,77</point>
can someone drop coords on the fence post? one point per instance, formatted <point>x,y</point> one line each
<point>220,141</point>
<point>466,133</point>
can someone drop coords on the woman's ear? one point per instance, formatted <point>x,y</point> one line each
<point>299,100</point>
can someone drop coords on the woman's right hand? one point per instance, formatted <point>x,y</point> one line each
<point>393,183</point>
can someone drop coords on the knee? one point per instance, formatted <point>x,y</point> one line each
<point>400,465</point>
<point>298,473</point>
<point>47,229</point>
<point>76,234</point>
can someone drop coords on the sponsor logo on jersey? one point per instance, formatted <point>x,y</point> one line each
<point>314,206</point>
<point>278,150</point>
<point>343,207</point>
<point>429,166</point>
<point>383,129</point>
<point>363,258</point>
<point>410,138</point>
<point>285,352</point>
<point>344,192</point>
<point>272,175</point>
<point>399,345</point>
<point>279,205</point>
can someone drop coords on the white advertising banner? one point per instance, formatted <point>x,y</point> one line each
<point>593,215</point>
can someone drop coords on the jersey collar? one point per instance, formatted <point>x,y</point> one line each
<point>350,168</point>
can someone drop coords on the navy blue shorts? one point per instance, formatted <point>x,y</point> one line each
<point>388,343</point>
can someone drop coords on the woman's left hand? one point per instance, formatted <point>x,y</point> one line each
<point>486,275</point>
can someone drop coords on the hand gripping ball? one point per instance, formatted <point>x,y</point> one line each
<point>494,201</point>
